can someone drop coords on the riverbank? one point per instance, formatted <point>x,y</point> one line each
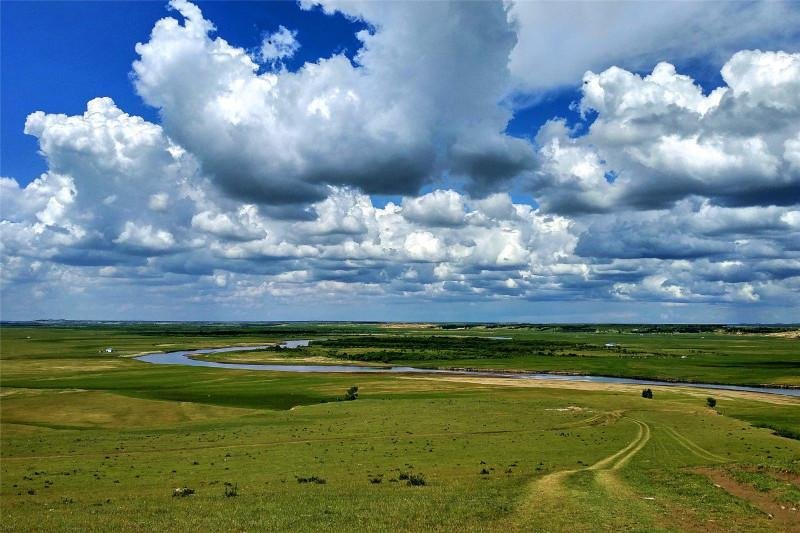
<point>193,358</point>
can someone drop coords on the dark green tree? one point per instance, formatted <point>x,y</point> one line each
<point>351,394</point>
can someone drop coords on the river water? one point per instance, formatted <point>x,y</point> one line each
<point>182,358</point>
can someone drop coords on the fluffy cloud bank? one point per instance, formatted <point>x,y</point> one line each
<point>658,139</point>
<point>256,186</point>
<point>637,35</point>
<point>387,124</point>
<point>122,200</point>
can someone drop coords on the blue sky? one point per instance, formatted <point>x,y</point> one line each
<point>419,167</point>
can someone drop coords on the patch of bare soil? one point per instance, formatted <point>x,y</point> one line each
<point>783,475</point>
<point>782,516</point>
<point>793,334</point>
<point>568,408</point>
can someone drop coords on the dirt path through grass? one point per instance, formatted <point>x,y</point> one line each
<point>618,460</point>
<point>782,516</point>
<point>550,492</point>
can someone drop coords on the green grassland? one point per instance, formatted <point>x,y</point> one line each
<point>98,441</point>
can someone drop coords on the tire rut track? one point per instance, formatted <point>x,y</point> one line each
<point>620,458</point>
<point>551,486</point>
<point>693,447</point>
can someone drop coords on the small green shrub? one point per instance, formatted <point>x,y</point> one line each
<point>711,402</point>
<point>351,394</point>
<point>647,393</point>
<point>416,480</point>
<point>231,490</point>
<point>312,479</point>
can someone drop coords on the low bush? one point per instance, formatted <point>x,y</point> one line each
<point>416,480</point>
<point>231,490</point>
<point>312,479</point>
<point>351,394</point>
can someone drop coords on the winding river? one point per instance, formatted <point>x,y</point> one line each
<point>183,358</point>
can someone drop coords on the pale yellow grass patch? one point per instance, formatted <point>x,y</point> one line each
<point>77,408</point>
<point>616,387</point>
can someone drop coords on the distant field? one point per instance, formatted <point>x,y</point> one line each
<point>711,357</point>
<point>94,441</point>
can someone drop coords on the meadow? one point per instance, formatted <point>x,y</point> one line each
<point>91,440</point>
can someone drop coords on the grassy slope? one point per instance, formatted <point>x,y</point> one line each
<point>108,456</point>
